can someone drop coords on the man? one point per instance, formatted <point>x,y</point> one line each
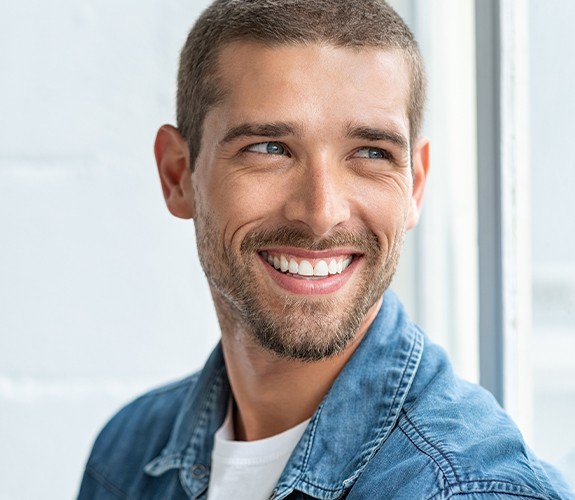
<point>298,155</point>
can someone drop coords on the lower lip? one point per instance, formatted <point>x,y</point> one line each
<point>301,285</point>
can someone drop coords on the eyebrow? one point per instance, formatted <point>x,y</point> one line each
<point>281,129</point>
<point>377,134</point>
<point>276,129</point>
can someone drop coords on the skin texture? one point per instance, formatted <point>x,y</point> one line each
<point>307,155</point>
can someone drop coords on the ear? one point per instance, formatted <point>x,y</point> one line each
<point>173,161</point>
<point>420,166</point>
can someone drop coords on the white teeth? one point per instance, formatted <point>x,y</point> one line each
<point>305,268</point>
<point>321,269</point>
<point>332,268</point>
<point>293,266</point>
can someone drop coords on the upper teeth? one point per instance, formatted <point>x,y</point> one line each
<point>304,267</point>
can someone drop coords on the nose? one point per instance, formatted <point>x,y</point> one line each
<point>319,198</point>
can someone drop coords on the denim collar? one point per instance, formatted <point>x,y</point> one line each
<point>348,428</point>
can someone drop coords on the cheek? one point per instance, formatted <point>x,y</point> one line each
<point>241,204</point>
<point>385,213</point>
<point>387,204</point>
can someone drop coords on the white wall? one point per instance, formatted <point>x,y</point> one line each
<point>99,285</point>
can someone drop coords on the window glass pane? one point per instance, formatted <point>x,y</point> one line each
<point>552,96</point>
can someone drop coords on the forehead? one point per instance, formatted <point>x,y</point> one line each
<point>313,82</point>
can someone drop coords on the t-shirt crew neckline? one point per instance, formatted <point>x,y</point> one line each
<point>249,469</point>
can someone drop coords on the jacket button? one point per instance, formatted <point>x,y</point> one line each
<point>273,494</point>
<point>198,471</point>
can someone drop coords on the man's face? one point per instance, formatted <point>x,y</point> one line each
<point>303,189</point>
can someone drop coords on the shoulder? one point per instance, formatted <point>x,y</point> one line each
<point>135,435</point>
<point>453,440</point>
<point>152,415</point>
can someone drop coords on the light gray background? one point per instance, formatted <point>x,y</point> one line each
<point>99,284</point>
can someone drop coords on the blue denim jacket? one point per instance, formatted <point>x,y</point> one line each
<point>397,423</point>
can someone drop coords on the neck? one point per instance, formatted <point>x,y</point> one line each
<point>271,393</point>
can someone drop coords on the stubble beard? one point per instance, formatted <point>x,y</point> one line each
<point>298,328</point>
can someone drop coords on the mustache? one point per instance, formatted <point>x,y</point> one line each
<point>365,241</point>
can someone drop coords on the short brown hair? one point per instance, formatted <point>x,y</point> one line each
<point>341,23</point>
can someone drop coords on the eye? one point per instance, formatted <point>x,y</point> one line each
<point>270,148</point>
<point>372,154</point>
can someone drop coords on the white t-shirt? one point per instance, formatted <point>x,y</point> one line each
<point>249,470</point>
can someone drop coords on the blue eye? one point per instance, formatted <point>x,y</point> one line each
<point>372,153</point>
<point>270,148</point>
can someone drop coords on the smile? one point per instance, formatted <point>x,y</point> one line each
<point>307,267</point>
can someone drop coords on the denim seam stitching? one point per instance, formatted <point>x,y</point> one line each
<point>309,447</point>
<point>105,483</point>
<point>521,494</point>
<point>458,482</point>
<point>202,420</point>
<point>423,438</point>
<point>387,424</point>
<point>535,473</point>
<point>367,455</point>
<point>509,493</point>
<point>300,478</point>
